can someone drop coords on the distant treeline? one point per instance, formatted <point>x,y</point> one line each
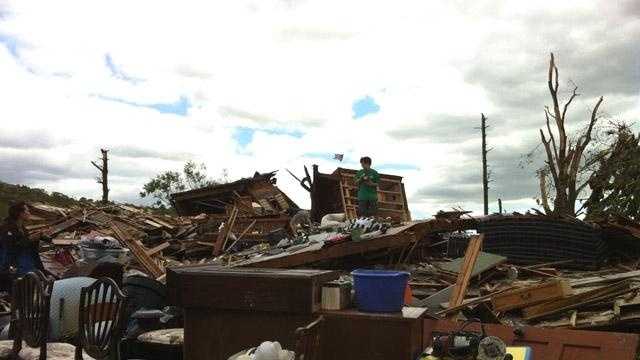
<point>10,193</point>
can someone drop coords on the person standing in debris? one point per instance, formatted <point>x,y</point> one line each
<point>17,250</point>
<point>367,180</point>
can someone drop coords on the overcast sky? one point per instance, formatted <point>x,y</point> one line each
<point>265,85</point>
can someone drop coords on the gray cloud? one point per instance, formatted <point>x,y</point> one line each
<point>441,128</point>
<point>602,60</point>
<point>28,168</point>
<point>140,153</point>
<point>27,140</point>
<point>509,180</point>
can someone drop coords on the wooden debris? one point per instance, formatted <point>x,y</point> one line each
<point>577,300</point>
<point>605,279</point>
<point>460,288</point>
<point>138,251</point>
<point>531,295</point>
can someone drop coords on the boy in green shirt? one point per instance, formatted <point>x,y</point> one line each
<point>367,180</point>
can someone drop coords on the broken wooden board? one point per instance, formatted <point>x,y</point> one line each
<point>531,295</point>
<point>57,229</point>
<point>576,301</point>
<point>605,279</point>
<point>433,302</point>
<point>470,257</point>
<point>223,235</point>
<point>394,238</point>
<point>65,242</point>
<point>158,248</point>
<point>139,252</point>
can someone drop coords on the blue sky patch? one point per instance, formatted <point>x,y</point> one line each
<point>244,135</point>
<point>180,107</point>
<point>364,106</point>
<point>276,131</point>
<point>117,72</point>
<point>11,44</point>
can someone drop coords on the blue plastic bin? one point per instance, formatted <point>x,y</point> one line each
<point>379,290</point>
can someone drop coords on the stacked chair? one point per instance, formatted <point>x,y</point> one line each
<point>101,322</point>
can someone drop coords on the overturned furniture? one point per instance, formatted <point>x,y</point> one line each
<point>338,193</point>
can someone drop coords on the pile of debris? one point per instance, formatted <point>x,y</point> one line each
<point>491,288</point>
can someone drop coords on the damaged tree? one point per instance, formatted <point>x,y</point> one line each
<point>104,174</point>
<point>485,173</point>
<point>615,186</point>
<point>565,157</point>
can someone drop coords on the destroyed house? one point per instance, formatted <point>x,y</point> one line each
<point>257,195</point>
<point>337,193</point>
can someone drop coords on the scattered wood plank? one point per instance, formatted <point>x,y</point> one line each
<point>65,242</point>
<point>470,302</point>
<point>223,235</point>
<point>57,229</point>
<point>605,278</point>
<point>577,301</point>
<point>159,221</point>
<point>158,248</point>
<point>139,252</point>
<point>470,257</point>
<point>243,233</point>
<point>531,295</point>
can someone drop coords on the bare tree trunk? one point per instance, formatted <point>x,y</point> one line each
<point>563,158</point>
<point>104,175</point>
<point>485,175</point>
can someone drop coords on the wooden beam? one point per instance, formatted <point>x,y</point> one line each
<point>578,300</point>
<point>531,295</point>
<point>605,278</point>
<point>223,235</point>
<point>158,248</point>
<point>470,257</point>
<point>139,252</point>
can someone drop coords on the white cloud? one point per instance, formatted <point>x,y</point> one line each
<point>293,65</point>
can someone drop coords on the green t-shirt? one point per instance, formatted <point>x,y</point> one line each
<point>366,192</point>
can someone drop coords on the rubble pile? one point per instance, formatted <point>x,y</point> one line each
<point>516,269</point>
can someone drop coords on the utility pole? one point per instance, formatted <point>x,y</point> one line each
<point>500,206</point>
<point>485,175</point>
<point>104,173</point>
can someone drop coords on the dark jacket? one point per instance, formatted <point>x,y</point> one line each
<point>15,245</point>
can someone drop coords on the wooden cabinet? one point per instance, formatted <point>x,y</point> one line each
<point>272,290</point>
<point>231,309</point>
<point>354,335</point>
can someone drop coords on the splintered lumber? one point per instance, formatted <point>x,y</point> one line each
<point>159,221</point>
<point>471,302</point>
<point>531,295</point>
<point>56,229</point>
<point>577,301</point>
<point>138,250</point>
<point>243,234</point>
<point>605,278</point>
<point>158,249</point>
<point>65,242</point>
<point>470,257</point>
<point>433,302</point>
<point>223,235</point>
